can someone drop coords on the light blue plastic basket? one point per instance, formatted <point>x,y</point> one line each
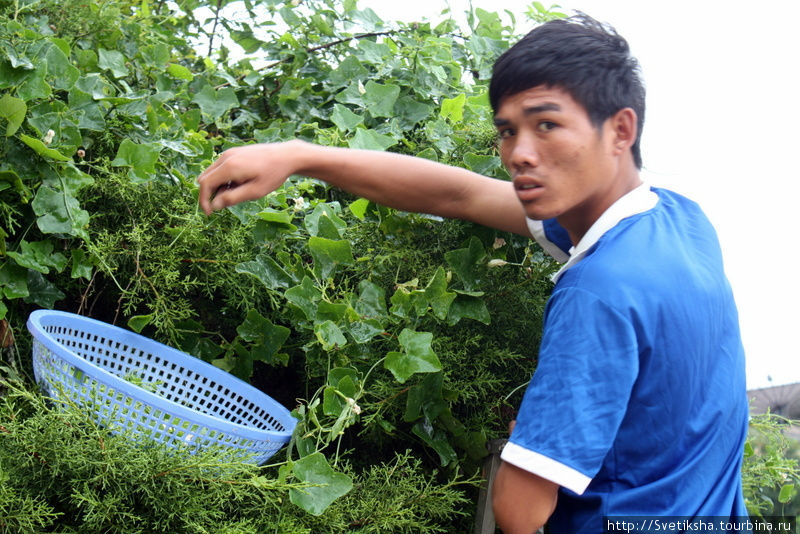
<point>194,404</point>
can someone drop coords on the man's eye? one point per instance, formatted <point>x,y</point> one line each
<point>505,132</point>
<point>546,126</point>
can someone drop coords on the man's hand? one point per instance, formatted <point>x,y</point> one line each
<point>247,173</point>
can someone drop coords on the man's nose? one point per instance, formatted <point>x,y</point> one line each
<point>524,154</point>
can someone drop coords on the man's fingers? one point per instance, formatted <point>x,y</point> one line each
<point>229,195</point>
<point>212,181</point>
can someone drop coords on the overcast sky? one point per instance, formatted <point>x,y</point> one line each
<point>722,113</point>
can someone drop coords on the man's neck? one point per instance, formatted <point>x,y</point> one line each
<point>577,226</point>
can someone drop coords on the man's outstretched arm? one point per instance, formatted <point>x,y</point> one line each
<point>402,182</point>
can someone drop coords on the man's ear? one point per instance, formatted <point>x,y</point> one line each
<point>623,130</point>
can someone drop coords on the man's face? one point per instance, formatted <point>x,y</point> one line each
<point>562,166</point>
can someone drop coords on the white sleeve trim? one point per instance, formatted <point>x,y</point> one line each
<point>545,467</point>
<point>537,232</point>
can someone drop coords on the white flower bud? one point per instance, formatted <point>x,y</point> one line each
<point>497,263</point>
<point>353,406</point>
<point>48,137</point>
<point>361,88</point>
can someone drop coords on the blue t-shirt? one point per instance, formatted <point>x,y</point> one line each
<point>638,405</point>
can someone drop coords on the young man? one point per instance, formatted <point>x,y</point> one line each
<point>637,407</point>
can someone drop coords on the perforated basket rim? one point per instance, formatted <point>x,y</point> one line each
<point>276,410</point>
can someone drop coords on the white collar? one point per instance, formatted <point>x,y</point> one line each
<point>637,200</point>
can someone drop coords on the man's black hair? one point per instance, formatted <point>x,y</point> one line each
<point>582,56</point>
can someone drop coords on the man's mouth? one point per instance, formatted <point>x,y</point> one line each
<point>528,189</point>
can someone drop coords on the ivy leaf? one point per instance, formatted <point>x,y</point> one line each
<point>371,303</point>
<point>468,307</point>
<point>425,399</point>
<point>786,493</point>
<point>247,39</point>
<point>58,210</point>
<point>412,111</point>
<point>95,85</point>
<point>180,72</point>
<point>359,208</point>
<point>14,281</point>
<point>326,485</point>
<point>267,271</point>
<point>348,70</point>
<point>114,61</point>
<point>281,219</point>
<point>331,311</point>
<point>363,331</point>
<point>10,179</point>
<point>156,55</point>
<point>267,337</point>
<point>305,296</point>
<point>40,148</point>
<point>140,157</point>
<point>13,110</point>
<point>17,59</point>
<point>453,108</point>
<point>322,25</point>
<point>59,69</point>
<point>329,253</point>
<point>379,99</point>
<point>437,295</point>
<point>436,439</point>
<point>323,221</point>
<point>482,164</point>
<point>329,335</point>
<point>81,266</point>
<point>39,256</point>
<point>371,140</point>
<point>215,103</point>
<point>35,85</point>
<point>42,291</point>
<point>418,356</point>
<point>90,115</point>
<point>342,382</point>
<point>464,262</point>
<point>344,119</point>
<point>138,322</point>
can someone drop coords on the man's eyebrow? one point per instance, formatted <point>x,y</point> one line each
<point>547,106</point>
<point>533,110</point>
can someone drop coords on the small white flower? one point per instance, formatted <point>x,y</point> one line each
<point>353,406</point>
<point>497,263</point>
<point>498,242</point>
<point>299,203</point>
<point>361,88</point>
<point>48,137</point>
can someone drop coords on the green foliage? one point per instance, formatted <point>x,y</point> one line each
<point>771,470</point>
<point>384,331</point>
<point>380,328</point>
<point>61,472</point>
